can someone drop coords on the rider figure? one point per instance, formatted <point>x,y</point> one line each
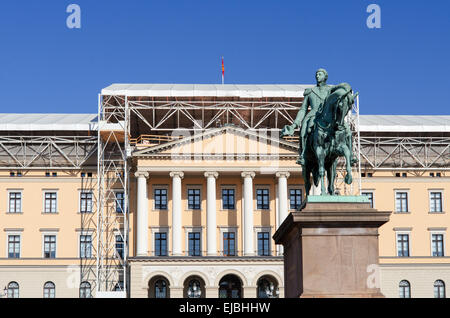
<point>314,98</point>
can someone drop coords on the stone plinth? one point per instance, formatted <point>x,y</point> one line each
<point>328,247</point>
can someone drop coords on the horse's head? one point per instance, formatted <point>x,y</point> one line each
<point>344,102</point>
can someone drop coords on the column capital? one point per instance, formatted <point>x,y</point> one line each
<point>179,174</point>
<point>246,174</point>
<point>208,174</point>
<point>282,174</point>
<point>139,174</point>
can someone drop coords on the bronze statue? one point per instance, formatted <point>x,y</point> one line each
<point>325,136</point>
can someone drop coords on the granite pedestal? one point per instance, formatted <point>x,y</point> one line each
<point>329,245</point>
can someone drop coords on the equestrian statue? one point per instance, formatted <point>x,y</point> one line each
<point>324,134</point>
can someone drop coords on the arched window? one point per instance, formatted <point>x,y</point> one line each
<point>85,290</point>
<point>194,287</point>
<point>404,289</point>
<point>230,286</point>
<point>13,290</point>
<point>49,290</point>
<point>439,289</point>
<point>267,287</point>
<point>158,287</point>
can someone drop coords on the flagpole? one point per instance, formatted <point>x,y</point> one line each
<point>223,72</point>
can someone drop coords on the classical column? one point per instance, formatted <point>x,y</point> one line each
<point>248,213</point>
<point>283,209</point>
<point>211,224</point>
<point>176,212</point>
<point>142,214</point>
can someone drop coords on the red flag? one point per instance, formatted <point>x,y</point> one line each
<point>223,68</point>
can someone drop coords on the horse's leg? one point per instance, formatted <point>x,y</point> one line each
<point>331,172</point>
<point>348,160</point>
<point>307,178</point>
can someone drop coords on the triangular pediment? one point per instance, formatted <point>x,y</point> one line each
<point>224,141</point>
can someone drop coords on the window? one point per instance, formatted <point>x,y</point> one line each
<point>194,244</point>
<point>119,246</point>
<point>262,199</point>
<point>49,290</point>
<point>160,289</point>
<point>85,290</point>
<point>437,244</point>
<point>161,244</point>
<point>401,202</point>
<point>13,290</point>
<point>85,246</point>
<point>50,202</point>
<point>295,199</point>
<point>160,199</point>
<point>435,201</point>
<point>13,246</point>
<point>228,199</point>
<point>439,289</point>
<point>15,202</point>
<point>404,289</point>
<point>403,245</point>
<point>85,202</point>
<point>263,244</point>
<point>49,246</point>
<point>369,195</point>
<point>229,241</point>
<point>194,199</point>
<point>120,202</point>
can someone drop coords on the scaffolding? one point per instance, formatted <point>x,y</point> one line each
<point>113,189</point>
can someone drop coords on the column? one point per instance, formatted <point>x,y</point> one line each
<point>176,212</point>
<point>283,208</point>
<point>142,214</point>
<point>248,213</point>
<point>211,224</point>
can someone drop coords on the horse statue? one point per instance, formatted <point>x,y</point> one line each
<point>330,139</point>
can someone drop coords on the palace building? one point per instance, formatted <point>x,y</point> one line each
<point>174,190</point>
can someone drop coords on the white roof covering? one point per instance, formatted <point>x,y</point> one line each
<point>30,122</point>
<point>193,90</point>
<point>404,123</point>
<point>85,122</point>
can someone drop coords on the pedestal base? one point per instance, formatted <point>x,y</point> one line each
<point>329,246</point>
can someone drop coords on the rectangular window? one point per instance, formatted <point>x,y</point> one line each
<point>403,245</point>
<point>194,244</point>
<point>50,202</point>
<point>86,202</point>
<point>120,202</point>
<point>160,199</point>
<point>228,199</point>
<point>13,246</point>
<point>194,199</point>
<point>263,244</point>
<point>85,246</point>
<point>161,244</point>
<point>49,246</point>
<point>435,201</point>
<point>369,195</point>
<point>401,202</point>
<point>437,243</point>
<point>119,246</point>
<point>15,202</point>
<point>262,199</point>
<point>229,241</point>
<point>295,199</point>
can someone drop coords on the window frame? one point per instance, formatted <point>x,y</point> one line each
<point>290,188</point>
<point>154,231</point>
<point>432,233</point>
<point>85,288</point>
<point>262,208</point>
<point>160,187</point>
<point>228,188</point>
<point>408,207</point>
<point>440,288</point>
<point>229,229</point>
<point>397,233</point>
<point>372,193</point>
<point>8,234</point>
<point>49,289</point>
<point>18,289</point>
<point>44,201</point>
<point>194,187</point>
<point>79,245</point>
<point>48,234</point>
<point>193,229</point>
<point>441,192</point>
<point>409,288</point>
<point>80,200</point>
<point>116,192</point>
<point>8,201</point>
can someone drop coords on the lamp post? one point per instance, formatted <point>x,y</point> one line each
<point>5,293</point>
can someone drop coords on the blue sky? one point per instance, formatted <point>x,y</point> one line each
<point>402,68</point>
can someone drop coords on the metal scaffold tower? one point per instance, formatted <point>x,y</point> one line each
<point>113,189</point>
